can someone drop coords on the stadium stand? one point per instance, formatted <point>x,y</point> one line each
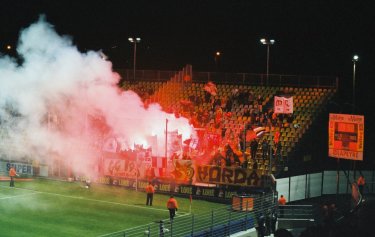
<point>231,109</point>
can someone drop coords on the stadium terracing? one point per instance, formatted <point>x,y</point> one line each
<point>251,96</point>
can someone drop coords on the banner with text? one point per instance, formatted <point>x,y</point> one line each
<point>346,136</point>
<point>283,105</point>
<point>228,176</point>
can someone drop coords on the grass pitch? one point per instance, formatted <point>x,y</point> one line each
<point>57,208</point>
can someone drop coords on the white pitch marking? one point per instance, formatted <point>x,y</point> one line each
<point>92,200</point>
<point>16,196</point>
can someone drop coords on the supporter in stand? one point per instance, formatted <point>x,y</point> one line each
<point>283,233</point>
<point>278,152</point>
<point>254,148</point>
<point>361,183</point>
<point>260,227</point>
<point>265,147</point>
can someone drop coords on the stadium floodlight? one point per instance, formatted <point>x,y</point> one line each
<point>134,41</point>
<point>217,59</point>
<point>355,60</point>
<point>268,43</point>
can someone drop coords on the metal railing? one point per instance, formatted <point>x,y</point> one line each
<point>235,78</point>
<point>234,218</point>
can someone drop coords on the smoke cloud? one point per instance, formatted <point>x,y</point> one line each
<point>58,100</point>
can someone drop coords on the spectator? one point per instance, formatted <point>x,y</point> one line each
<point>172,206</point>
<point>246,112</point>
<point>283,233</point>
<point>254,148</point>
<point>12,174</point>
<point>261,229</point>
<point>361,183</point>
<point>273,221</point>
<point>278,152</point>
<point>268,222</point>
<point>150,190</point>
<point>282,203</point>
<point>265,147</point>
<point>255,165</point>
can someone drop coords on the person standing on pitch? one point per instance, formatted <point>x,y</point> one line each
<point>12,174</point>
<point>172,207</point>
<point>150,190</point>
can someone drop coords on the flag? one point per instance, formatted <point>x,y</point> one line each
<point>110,145</point>
<point>254,133</point>
<point>191,200</point>
<point>210,87</point>
<point>283,105</point>
<point>174,143</point>
<point>159,164</point>
<point>276,137</point>
<point>194,143</point>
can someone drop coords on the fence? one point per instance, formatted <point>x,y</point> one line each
<point>235,78</point>
<point>241,215</point>
<point>307,186</point>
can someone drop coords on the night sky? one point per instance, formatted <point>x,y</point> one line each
<point>312,37</point>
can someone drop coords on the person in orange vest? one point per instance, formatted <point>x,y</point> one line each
<point>361,183</point>
<point>282,202</point>
<point>150,190</point>
<point>172,207</point>
<point>12,174</point>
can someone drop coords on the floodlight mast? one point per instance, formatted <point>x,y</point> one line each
<point>268,43</point>
<point>135,41</point>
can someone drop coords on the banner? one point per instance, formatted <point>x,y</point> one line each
<point>254,133</point>
<point>120,168</point>
<point>283,105</point>
<point>183,171</point>
<point>228,176</point>
<point>346,136</point>
<point>21,168</point>
<point>210,87</point>
<point>174,143</point>
<point>110,145</point>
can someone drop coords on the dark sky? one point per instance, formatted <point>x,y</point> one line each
<point>312,37</point>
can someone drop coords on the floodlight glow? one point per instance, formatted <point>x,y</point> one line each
<point>355,58</point>
<point>266,41</point>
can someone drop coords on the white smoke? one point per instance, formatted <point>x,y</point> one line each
<point>48,98</point>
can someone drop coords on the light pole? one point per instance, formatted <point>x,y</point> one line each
<point>217,60</point>
<point>268,43</point>
<point>355,59</point>
<point>134,41</point>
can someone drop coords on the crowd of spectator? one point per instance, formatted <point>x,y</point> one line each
<point>210,112</point>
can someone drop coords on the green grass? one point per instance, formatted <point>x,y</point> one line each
<point>57,208</point>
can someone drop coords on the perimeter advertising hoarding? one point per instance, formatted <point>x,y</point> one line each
<point>346,136</point>
<point>21,168</point>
